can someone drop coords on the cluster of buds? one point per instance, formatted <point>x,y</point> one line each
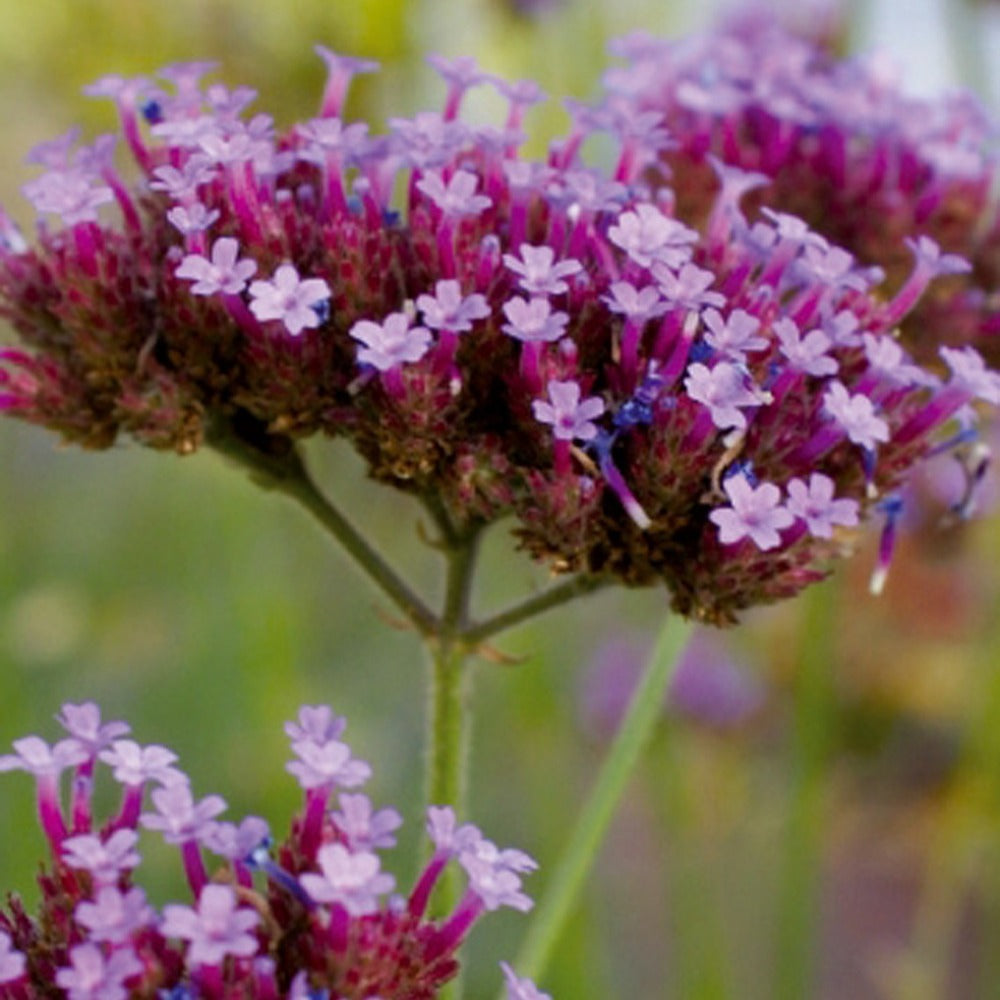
<point>839,144</point>
<point>656,396</point>
<point>309,919</point>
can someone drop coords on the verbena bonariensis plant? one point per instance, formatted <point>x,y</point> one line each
<point>653,402</point>
<point>311,918</point>
<point>838,143</point>
<point>655,396</point>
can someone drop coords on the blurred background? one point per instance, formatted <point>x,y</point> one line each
<point>820,815</point>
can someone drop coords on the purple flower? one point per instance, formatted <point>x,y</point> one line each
<point>178,817</point>
<point>135,765</point>
<point>326,764</point>
<point>539,274</point>
<point>807,353</point>
<point>317,723</point>
<point>814,503</point>
<point>571,418</point>
<point>494,875</point>
<point>68,194</point>
<point>366,830</point>
<point>93,976</point>
<point>35,756</point>
<point>755,512</point>
<point>687,287</point>
<point>54,154</point>
<point>855,415</point>
<point>352,880</point>
<point>533,321</point>
<point>733,336</point>
<point>723,389</point>
<point>638,304</point>
<point>456,198</point>
<point>182,184</point>
<point>391,342</point>
<point>107,859</point>
<point>969,372</point>
<point>647,235</point>
<point>114,915</point>
<point>447,835</point>
<point>193,218</point>
<point>83,723</point>
<point>289,298</point>
<point>236,842</point>
<point>217,928</point>
<point>448,309</point>
<point>223,273</point>
<point>929,257</point>
<point>519,988</point>
<point>12,962</point>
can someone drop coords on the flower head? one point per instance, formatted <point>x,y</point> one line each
<point>454,284</point>
<point>319,921</point>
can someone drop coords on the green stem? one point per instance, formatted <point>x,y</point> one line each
<point>799,885</point>
<point>284,471</point>
<point>562,593</point>
<point>636,729</point>
<point>449,710</point>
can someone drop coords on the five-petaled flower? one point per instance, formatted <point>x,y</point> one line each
<point>287,297</point>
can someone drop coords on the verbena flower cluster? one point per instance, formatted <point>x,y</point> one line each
<point>654,394</point>
<point>839,144</point>
<point>312,918</point>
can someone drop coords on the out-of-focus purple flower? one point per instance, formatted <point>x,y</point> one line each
<point>178,817</point>
<point>236,841</point>
<point>35,756</point>
<point>519,987</point>
<point>114,916</point>
<point>364,828</point>
<point>70,194</point>
<point>329,763</point>
<point>12,962</point>
<point>105,860</point>
<point>458,196</point>
<point>135,765</point>
<point>711,686</point>
<point>83,723</point>
<point>92,975</point>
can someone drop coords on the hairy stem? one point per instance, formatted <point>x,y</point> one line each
<point>283,470</point>
<point>562,593</point>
